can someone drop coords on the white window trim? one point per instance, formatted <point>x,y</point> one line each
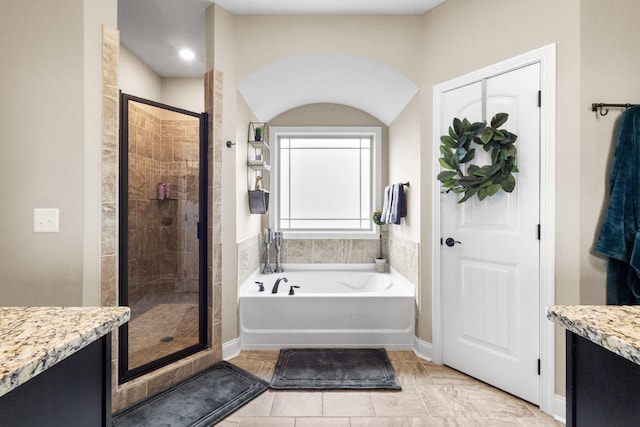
<point>278,131</point>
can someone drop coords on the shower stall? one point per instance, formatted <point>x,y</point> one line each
<point>162,253</point>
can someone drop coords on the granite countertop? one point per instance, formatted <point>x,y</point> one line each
<point>32,339</point>
<point>616,328</point>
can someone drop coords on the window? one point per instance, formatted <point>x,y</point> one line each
<point>327,181</point>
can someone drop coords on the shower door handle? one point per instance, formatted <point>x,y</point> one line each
<point>198,231</point>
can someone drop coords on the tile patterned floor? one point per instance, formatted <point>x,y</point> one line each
<point>431,395</point>
<point>179,322</point>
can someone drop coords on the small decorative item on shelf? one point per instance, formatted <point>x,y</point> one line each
<point>258,201</point>
<point>258,183</point>
<point>258,134</point>
<point>164,191</point>
<point>381,263</point>
<point>160,194</point>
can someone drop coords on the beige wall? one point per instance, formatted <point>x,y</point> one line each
<point>247,223</point>
<point>404,240</point>
<point>403,161</point>
<point>546,22</point>
<point>48,124</point>
<point>392,40</point>
<point>136,78</point>
<point>221,35</point>
<point>590,37</point>
<point>609,71</point>
<point>96,14</point>
<point>183,92</point>
<point>561,27</point>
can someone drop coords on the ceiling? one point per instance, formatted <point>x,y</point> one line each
<point>155,30</point>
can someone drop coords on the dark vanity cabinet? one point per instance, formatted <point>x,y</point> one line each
<point>74,392</point>
<point>603,388</point>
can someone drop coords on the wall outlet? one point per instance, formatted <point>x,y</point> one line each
<point>46,220</point>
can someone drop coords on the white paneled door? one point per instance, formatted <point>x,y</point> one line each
<point>491,269</point>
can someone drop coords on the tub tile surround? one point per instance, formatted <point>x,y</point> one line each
<point>124,395</point>
<point>431,395</point>
<point>248,257</point>
<point>404,255</point>
<point>401,253</point>
<point>312,251</point>
<point>304,251</point>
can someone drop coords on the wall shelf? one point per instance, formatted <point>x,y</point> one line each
<point>258,167</point>
<point>259,145</point>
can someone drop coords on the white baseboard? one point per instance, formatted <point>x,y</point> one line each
<point>231,349</point>
<point>423,349</point>
<point>560,409</point>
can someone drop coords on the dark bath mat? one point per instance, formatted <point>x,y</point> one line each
<point>326,369</point>
<point>202,400</point>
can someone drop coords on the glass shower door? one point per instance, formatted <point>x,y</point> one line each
<point>162,251</point>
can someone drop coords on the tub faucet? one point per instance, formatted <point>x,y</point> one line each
<point>275,285</point>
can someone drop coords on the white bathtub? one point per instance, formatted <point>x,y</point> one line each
<point>333,307</point>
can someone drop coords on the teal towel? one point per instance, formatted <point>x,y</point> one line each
<point>620,232</point>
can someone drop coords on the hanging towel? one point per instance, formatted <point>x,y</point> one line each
<point>398,204</point>
<point>386,206</point>
<point>620,232</point>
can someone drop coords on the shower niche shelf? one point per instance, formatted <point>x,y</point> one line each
<point>258,167</point>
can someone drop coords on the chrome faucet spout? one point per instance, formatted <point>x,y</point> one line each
<point>275,285</point>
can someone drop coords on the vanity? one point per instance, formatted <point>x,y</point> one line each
<point>55,365</point>
<point>603,364</point>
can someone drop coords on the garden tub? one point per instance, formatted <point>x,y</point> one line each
<point>333,306</point>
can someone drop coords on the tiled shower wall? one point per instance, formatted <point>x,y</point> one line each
<point>163,245</point>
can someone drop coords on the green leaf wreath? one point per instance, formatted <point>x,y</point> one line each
<point>484,180</point>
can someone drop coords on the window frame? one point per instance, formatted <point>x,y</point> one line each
<point>276,132</point>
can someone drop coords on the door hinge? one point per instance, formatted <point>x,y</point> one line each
<point>198,232</point>
<point>539,98</point>
<point>441,241</point>
<point>538,231</point>
<point>538,366</point>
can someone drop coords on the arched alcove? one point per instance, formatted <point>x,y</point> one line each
<point>327,78</point>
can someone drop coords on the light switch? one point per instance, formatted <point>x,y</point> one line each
<point>45,220</point>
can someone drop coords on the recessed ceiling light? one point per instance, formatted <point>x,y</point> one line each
<point>187,54</point>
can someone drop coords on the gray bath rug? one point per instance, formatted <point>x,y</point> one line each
<point>200,401</point>
<point>326,369</point>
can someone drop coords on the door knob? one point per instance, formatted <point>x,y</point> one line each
<point>450,242</point>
